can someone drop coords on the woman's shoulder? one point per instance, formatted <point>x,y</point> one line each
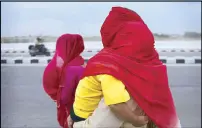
<point>74,70</point>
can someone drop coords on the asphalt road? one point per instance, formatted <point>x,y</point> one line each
<point>25,104</point>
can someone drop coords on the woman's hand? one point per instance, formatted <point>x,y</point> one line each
<point>140,116</point>
<point>140,121</point>
<point>122,111</point>
<point>138,111</point>
<point>70,122</point>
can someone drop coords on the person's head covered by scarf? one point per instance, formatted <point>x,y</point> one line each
<point>68,50</point>
<point>130,56</point>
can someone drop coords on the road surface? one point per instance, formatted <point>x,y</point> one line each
<point>25,104</point>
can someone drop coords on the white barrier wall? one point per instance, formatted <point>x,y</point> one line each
<point>45,60</point>
<point>97,50</point>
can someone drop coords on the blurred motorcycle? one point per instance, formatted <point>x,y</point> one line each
<point>38,48</point>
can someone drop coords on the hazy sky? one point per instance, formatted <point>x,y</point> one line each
<point>86,18</point>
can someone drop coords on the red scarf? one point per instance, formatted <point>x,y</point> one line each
<point>68,50</point>
<point>130,56</point>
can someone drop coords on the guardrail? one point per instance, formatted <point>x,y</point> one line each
<point>46,60</point>
<point>97,50</point>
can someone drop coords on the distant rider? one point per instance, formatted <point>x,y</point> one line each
<point>39,43</point>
